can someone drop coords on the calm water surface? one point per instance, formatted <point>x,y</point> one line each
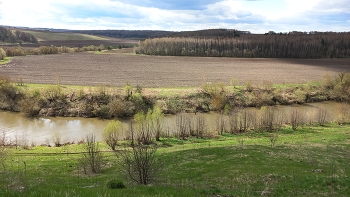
<point>42,130</point>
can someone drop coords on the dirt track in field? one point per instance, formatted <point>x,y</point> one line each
<point>156,71</point>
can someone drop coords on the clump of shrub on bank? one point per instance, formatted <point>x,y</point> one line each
<point>2,54</point>
<point>105,103</point>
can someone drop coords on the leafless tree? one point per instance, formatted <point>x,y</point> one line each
<point>140,163</point>
<point>295,118</point>
<point>321,116</point>
<point>92,157</point>
<point>181,125</point>
<point>220,124</point>
<point>57,139</point>
<point>200,125</point>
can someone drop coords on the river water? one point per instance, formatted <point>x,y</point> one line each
<point>17,127</point>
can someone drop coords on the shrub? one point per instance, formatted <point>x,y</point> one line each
<point>217,93</point>
<point>15,51</point>
<point>115,184</point>
<point>48,50</point>
<point>141,164</point>
<point>2,53</point>
<point>92,157</point>
<point>112,132</point>
<point>9,94</point>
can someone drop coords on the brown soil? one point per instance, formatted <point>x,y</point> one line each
<point>155,71</point>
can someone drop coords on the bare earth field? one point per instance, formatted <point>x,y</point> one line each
<point>117,69</point>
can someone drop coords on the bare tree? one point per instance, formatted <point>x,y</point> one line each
<point>343,113</point>
<point>295,118</point>
<point>181,125</point>
<point>140,163</point>
<point>220,124</point>
<point>321,116</point>
<point>200,125</point>
<point>57,139</point>
<point>144,131</point>
<point>92,157</point>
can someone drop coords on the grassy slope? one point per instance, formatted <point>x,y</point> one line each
<point>312,161</point>
<point>51,36</point>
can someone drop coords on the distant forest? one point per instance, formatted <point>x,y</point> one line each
<point>15,36</point>
<point>136,34</point>
<point>143,34</point>
<point>269,45</point>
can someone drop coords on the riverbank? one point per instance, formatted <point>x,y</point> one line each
<point>121,102</point>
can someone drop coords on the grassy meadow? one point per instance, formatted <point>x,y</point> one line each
<point>311,161</point>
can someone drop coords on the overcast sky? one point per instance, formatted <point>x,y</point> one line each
<point>257,16</point>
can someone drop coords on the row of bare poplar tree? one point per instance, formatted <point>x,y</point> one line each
<point>320,45</point>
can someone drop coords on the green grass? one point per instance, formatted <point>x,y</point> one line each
<point>5,60</point>
<point>51,36</point>
<point>311,161</point>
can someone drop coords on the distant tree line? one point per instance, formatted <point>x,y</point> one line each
<point>139,34</point>
<point>224,33</point>
<point>8,35</point>
<point>143,34</point>
<point>288,45</point>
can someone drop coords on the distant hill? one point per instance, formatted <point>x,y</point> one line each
<point>16,36</point>
<point>131,34</point>
<point>143,34</point>
<point>46,35</point>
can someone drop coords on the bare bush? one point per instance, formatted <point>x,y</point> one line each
<point>140,164</point>
<point>249,85</point>
<point>181,125</point>
<point>343,113</point>
<point>295,118</point>
<point>14,51</point>
<point>310,116</point>
<point>2,53</point>
<point>232,122</point>
<point>220,124</point>
<point>144,130</point>
<point>53,93</point>
<point>57,139</point>
<point>321,116</point>
<point>200,126</point>
<point>217,93</point>
<point>242,121</point>
<point>92,157</point>
<point>273,137</point>
<point>270,119</point>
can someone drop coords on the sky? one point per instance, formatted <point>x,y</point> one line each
<point>256,16</point>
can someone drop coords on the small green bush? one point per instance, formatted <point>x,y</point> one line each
<point>115,184</point>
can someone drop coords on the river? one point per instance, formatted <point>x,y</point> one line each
<point>16,127</point>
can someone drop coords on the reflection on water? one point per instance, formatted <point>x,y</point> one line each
<point>42,130</point>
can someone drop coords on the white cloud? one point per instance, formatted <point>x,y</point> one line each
<point>255,16</point>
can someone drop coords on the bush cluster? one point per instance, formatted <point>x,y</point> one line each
<point>115,184</point>
<point>2,53</point>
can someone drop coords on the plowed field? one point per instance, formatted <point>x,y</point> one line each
<point>156,71</point>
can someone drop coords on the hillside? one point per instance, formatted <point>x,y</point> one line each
<point>54,36</point>
<point>15,36</point>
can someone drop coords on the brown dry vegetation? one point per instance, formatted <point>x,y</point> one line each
<point>156,71</point>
